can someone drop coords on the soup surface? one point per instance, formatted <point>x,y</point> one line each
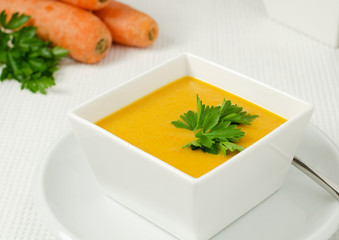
<point>146,124</point>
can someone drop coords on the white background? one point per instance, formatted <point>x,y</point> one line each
<point>234,33</point>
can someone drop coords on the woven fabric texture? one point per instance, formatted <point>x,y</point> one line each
<point>234,33</point>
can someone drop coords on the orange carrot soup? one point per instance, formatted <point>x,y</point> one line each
<point>146,124</point>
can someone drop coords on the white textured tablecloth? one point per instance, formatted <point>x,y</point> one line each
<point>233,33</point>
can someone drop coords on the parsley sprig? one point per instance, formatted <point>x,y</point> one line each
<point>26,57</point>
<point>215,127</point>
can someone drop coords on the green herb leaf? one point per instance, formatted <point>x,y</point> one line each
<point>16,21</point>
<point>194,145</point>
<point>190,121</point>
<point>200,110</point>
<point>27,33</point>
<point>214,149</point>
<point>216,127</point>
<point>205,140</point>
<point>230,133</point>
<point>59,52</point>
<point>229,146</point>
<point>248,118</point>
<point>26,57</point>
<point>3,17</point>
<point>2,54</point>
<point>180,124</point>
<point>234,113</point>
<point>12,64</point>
<point>40,84</point>
<point>210,121</point>
<point>46,52</point>
<point>37,64</point>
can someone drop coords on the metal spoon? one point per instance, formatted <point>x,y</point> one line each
<point>325,183</point>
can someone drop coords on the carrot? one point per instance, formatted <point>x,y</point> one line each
<point>88,4</point>
<point>128,26</point>
<point>82,33</point>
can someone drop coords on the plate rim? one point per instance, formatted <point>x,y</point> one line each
<point>40,202</point>
<point>62,232</point>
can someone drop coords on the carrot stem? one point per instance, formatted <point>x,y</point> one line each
<point>101,46</point>
<point>151,34</point>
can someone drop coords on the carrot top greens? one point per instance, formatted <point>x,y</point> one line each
<point>215,127</point>
<point>27,58</point>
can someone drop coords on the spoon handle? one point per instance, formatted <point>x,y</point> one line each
<point>325,183</point>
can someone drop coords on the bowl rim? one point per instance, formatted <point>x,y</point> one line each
<point>193,180</point>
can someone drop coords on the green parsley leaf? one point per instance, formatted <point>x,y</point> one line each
<point>205,140</point>
<point>26,57</point>
<point>12,64</point>
<point>3,17</point>
<point>27,33</point>
<point>229,146</point>
<point>190,121</point>
<point>216,127</point>
<point>210,121</point>
<point>235,113</point>
<point>59,52</point>
<point>15,22</point>
<point>194,145</point>
<point>37,64</point>
<point>2,55</point>
<point>214,149</point>
<point>180,124</point>
<point>200,110</point>
<point>39,84</point>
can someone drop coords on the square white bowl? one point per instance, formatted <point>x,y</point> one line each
<point>190,208</point>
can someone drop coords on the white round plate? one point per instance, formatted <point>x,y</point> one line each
<point>68,198</point>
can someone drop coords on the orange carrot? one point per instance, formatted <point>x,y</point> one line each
<point>128,26</point>
<point>81,32</point>
<point>88,4</point>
